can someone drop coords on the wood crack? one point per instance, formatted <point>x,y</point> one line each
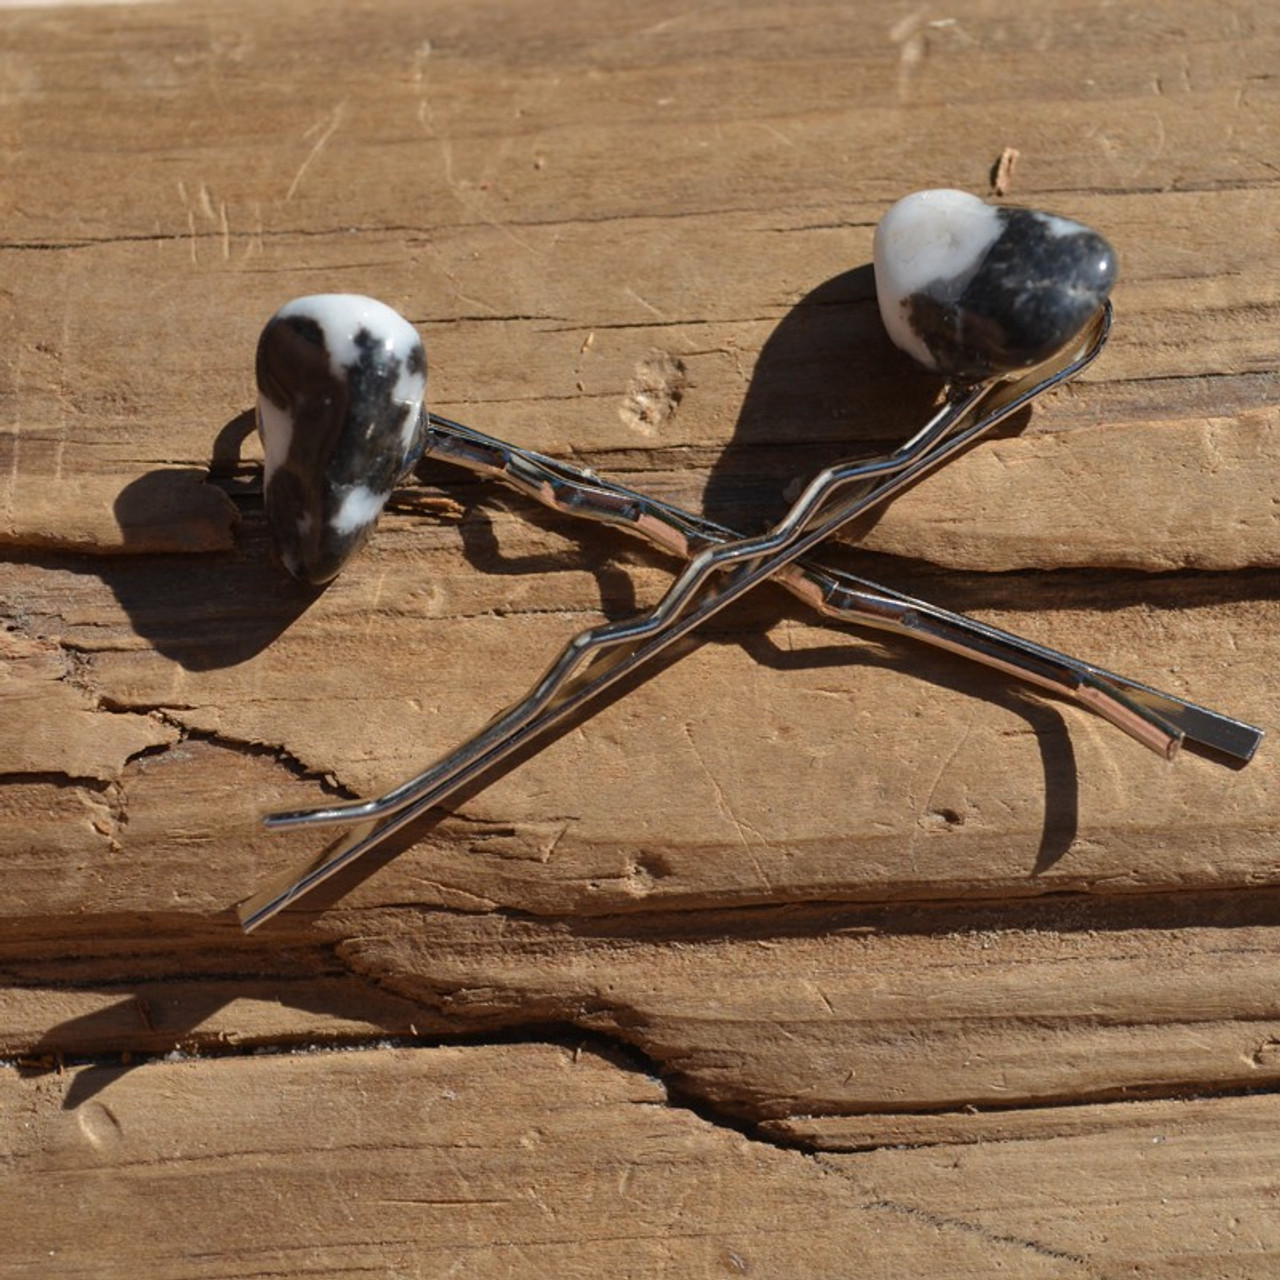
<point>944,1222</point>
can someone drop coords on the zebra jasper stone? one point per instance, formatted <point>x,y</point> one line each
<point>976,291</point>
<point>340,386</point>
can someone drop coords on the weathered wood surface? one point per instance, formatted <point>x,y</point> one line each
<point>806,890</point>
<point>341,1159</point>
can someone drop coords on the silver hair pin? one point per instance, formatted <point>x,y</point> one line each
<point>1006,303</point>
<point>1156,719</point>
<point>1160,721</point>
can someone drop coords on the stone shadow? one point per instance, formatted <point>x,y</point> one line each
<point>203,609</point>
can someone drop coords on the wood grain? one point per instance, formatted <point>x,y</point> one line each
<point>359,1162</point>
<point>816,954</point>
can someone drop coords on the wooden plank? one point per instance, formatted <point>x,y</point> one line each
<point>561,1163</point>
<point>819,1013</point>
<point>801,762</point>
<point>836,892</point>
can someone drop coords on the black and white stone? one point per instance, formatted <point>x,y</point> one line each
<point>340,385</point>
<point>975,290</point>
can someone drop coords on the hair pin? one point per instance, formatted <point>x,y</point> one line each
<point>1004,303</point>
<point>1159,721</point>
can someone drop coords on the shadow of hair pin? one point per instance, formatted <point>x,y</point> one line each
<point>1004,303</point>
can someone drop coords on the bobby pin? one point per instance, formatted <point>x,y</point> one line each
<point>981,314</point>
<point>340,360</point>
<point>1158,720</point>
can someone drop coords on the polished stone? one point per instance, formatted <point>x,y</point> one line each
<point>341,380</point>
<point>976,291</point>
